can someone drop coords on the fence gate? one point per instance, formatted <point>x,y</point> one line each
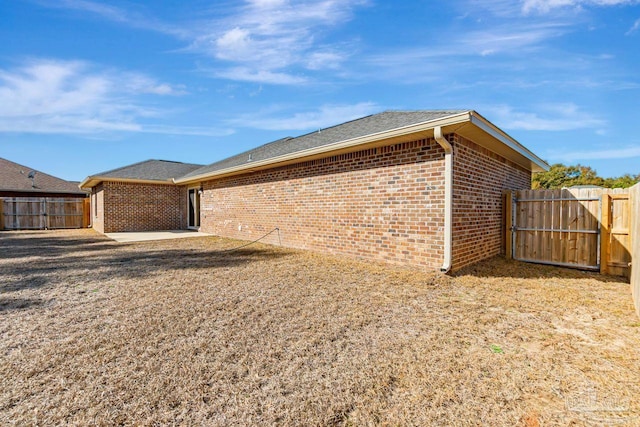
<point>585,228</point>
<point>31,213</point>
<point>557,227</point>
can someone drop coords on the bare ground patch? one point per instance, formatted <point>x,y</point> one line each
<point>178,332</point>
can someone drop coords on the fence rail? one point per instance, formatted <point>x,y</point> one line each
<point>41,213</point>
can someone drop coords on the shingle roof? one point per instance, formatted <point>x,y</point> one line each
<point>153,170</point>
<point>368,125</point>
<point>15,177</point>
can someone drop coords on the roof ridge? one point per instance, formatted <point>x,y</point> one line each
<point>172,161</point>
<point>339,124</point>
<point>246,152</point>
<point>377,114</point>
<point>146,161</point>
<point>123,167</point>
<point>439,110</point>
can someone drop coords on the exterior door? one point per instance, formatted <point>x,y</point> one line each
<point>193,207</point>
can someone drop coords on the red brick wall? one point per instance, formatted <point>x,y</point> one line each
<point>383,204</point>
<point>143,207</point>
<point>478,180</point>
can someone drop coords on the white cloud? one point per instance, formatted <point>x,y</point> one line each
<point>164,89</point>
<point>635,27</point>
<point>325,60</point>
<point>185,130</point>
<point>138,83</point>
<point>327,115</point>
<point>267,4</point>
<point>503,8</point>
<point>49,88</point>
<point>506,39</point>
<point>268,38</point>
<point>555,117</point>
<point>547,5</point>
<point>233,44</point>
<point>246,74</point>
<point>110,12</point>
<point>509,39</point>
<point>613,153</point>
<point>139,20</point>
<point>467,55</point>
<point>71,97</point>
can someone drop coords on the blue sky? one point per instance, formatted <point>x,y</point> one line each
<point>87,86</point>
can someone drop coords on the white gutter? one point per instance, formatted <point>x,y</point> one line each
<point>448,196</point>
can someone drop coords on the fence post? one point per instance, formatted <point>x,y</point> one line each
<point>86,212</point>
<point>605,233</point>
<point>1,214</point>
<point>634,207</point>
<point>45,205</point>
<point>508,241</point>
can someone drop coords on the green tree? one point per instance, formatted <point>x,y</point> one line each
<point>623,181</point>
<point>559,176</point>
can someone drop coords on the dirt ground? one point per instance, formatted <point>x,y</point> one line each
<point>179,332</point>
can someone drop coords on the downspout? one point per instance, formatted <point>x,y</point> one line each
<point>448,196</point>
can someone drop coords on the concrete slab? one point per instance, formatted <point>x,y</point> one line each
<point>144,236</point>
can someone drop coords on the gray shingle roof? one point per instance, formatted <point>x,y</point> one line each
<point>368,125</point>
<point>15,177</point>
<point>154,170</point>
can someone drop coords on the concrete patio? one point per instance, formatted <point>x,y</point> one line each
<point>145,236</point>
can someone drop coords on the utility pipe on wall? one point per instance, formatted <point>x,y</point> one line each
<point>448,196</point>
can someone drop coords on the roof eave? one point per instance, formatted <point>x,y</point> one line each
<point>92,181</point>
<point>537,164</point>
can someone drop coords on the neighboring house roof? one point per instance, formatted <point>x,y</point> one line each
<point>15,178</point>
<point>394,126</point>
<point>150,171</point>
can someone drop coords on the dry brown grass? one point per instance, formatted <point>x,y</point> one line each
<point>177,332</point>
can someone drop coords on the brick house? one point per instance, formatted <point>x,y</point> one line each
<point>419,187</point>
<point>139,197</point>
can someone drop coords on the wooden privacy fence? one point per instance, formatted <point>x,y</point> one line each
<point>42,213</point>
<point>586,228</point>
